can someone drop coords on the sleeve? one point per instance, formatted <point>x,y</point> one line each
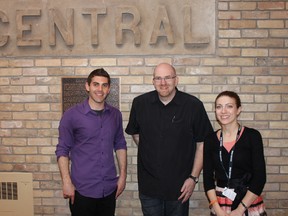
<point>66,138</point>
<point>258,164</point>
<point>202,124</point>
<point>133,126</point>
<point>208,167</point>
<point>119,141</point>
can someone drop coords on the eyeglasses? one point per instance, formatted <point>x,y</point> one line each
<point>166,78</point>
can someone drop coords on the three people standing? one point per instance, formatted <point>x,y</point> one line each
<point>169,128</point>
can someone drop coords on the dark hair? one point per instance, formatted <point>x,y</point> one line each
<point>98,72</point>
<point>230,94</point>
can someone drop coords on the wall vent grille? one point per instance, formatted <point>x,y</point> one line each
<point>16,194</point>
<point>8,191</point>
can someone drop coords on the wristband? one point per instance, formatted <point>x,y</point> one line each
<point>195,179</point>
<point>243,204</point>
<point>212,203</point>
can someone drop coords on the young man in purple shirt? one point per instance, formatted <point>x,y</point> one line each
<point>89,132</point>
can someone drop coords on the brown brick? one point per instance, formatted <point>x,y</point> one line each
<point>268,80</point>
<point>223,24</point>
<point>279,33</point>
<point>242,6</point>
<point>254,52</point>
<point>35,89</point>
<point>271,24</point>
<point>39,141</point>
<point>213,61</point>
<point>278,143</point>
<point>229,33</point>
<point>48,62</point>
<point>10,72</point>
<point>133,80</point>
<point>279,52</point>
<point>198,70</point>
<point>23,81</point>
<point>257,15</point>
<point>25,116</point>
<point>222,6</point>
<point>100,62</point>
<point>5,99</point>
<point>35,72</point>
<point>4,63</point>
<point>241,62</point>
<point>278,107</point>
<point>75,62</point>
<point>267,116</point>
<point>278,125</point>
<point>37,107</point>
<point>21,63</point>
<point>25,150</point>
<point>186,61</point>
<point>223,43</point>
<point>38,159</point>
<point>229,52</point>
<point>242,24</point>
<point>279,71</point>
<point>155,61</point>
<point>10,89</point>
<point>13,159</point>
<point>271,5</point>
<point>255,33</point>
<point>186,80</point>
<point>23,98</point>
<point>273,43</point>
<point>227,70</point>
<point>279,14</point>
<point>242,42</point>
<point>230,15</point>
<point>5,150</point>
<point>198,88</point>
<point>254,89</point>
<point>130,61</point>
<point>4,81</point>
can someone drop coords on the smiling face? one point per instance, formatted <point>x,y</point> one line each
<point>226,110</point>
<point>98,90</point>
<point>165,81</point>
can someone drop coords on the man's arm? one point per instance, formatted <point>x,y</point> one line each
<point>122,164</point>
<point>198,160</point>
<point>68,187</point>
<point>189,184</point>
<point>136,139</point>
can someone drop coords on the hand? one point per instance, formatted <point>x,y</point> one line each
<point>219,211</point>
<point>222,213</point>
<point>69,192</point>
<point>120,186</point>
<point>187,190</point>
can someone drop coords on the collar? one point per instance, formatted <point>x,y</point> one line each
<point>87,108</point>
<point>176,99</point>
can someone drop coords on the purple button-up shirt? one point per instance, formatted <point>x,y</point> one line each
<point>89,140</point>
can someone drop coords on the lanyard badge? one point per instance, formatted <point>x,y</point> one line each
<point>227,192</point>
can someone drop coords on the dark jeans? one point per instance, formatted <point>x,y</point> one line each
<point>86,206</point>
<point>157,207</point>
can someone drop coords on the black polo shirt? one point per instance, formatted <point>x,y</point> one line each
<point>167,141</point>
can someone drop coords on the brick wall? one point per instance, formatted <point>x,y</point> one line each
<point>251,58</point>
